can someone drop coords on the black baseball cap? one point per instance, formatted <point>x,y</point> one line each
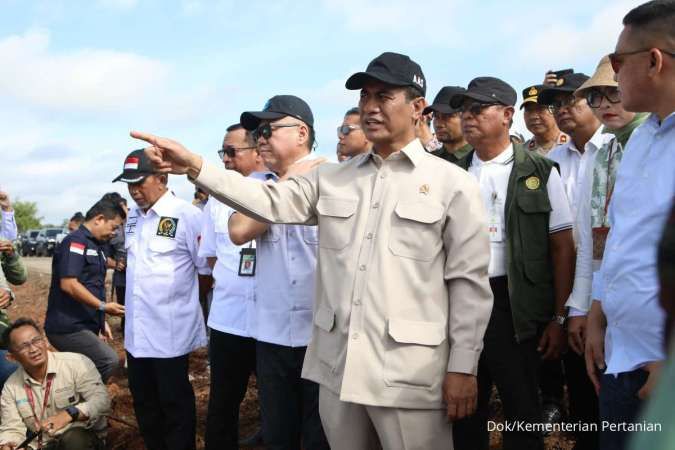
<point>391,68</point>
<point>487,90</point>
<point>441,102</point>
<point>531,93</point>
<point>566,84</point>
<point>277,107</point>
<point>137,166</point>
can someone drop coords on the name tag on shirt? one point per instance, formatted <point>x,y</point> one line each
<point>91,252</point>
<point>247,262</point>
<point>496,219</point>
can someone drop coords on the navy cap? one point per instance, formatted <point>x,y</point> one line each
<point>531,93</point>
<point>487,90</point>
<point>391,68</point>
<point>277,107</point>
<point>566,84</point>
<point>136,167</point>
<point>441,102</point>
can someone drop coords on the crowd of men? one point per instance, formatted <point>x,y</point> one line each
<point>379,301</point>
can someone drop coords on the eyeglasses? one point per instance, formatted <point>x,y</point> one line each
<point>25,347</point>
<point>560,103</point>
<point>265,130</point>
<point>475,108</point>
<point>594,97</point>
<point>344,130</point>
<point>231,151</point>
<point>617,59</point>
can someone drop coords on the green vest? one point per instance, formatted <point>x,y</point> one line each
<point>528,259</point>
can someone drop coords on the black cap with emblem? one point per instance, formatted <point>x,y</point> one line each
<point>441,102</point>
<point>566,84</point>
<point>136,167</point>
<point>391,68</point>
<point>531,93</point>
<point>277,107</point>
<point>487,90</point>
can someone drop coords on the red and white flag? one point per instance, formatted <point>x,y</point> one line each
<point>131,163</point>
<point>78,248</point>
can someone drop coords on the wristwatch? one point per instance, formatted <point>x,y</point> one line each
<point>73,412</point>
<point>101,306</point>
<point>560,320</point>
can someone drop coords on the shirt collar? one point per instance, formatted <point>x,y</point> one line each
<point>503,158</point>
<point>162,207</point>
<point>654,123</point>
<point>414,151</point>
<point>598,139</point>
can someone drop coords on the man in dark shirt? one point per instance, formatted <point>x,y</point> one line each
<point>76,305</point>
<point>448,126</point>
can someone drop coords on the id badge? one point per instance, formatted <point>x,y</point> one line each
<point>495,224</point>
<point>247,262</point>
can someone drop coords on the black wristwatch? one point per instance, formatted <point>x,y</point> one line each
<point>73,412</point>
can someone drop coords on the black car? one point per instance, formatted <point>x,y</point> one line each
<point>29,243</point>
<point>46,241</point>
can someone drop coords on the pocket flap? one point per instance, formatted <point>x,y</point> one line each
<point>162,244</point>
<point>417,332</point>
<point>324,318</point>
<point>336,207</point>
<point>534,203</point>
<point>424,212</point>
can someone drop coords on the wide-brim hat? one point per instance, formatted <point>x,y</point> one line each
<point>603,77</point>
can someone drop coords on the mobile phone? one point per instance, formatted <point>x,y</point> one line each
<point>562,73</point>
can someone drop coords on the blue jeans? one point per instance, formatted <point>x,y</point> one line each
<point>619,403</point>
<point>6,368</point>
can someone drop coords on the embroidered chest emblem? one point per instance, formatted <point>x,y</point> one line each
<point>424,189</point>
<point>167,227</point>
<point>532,183</point>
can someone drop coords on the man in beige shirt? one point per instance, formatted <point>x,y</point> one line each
<point>403,297</point>
<point>60,395</point>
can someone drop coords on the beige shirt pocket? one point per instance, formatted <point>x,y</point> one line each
<point>336,221</point>
<point>325,337</point>
<point>415,229</point>
<point>413,353</point>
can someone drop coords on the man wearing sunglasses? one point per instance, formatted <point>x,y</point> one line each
<point>285,273</point>
<point>402,297</point>
<point>448,126</point>
<point>574,117</point>
<point>232,315</point>
<point>352,140</point>
<point>531,263</point>
<point>625,326</point>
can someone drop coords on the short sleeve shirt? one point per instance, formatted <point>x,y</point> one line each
<point>79,256</point>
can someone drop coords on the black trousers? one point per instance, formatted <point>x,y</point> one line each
<point>232,361</point>
<point>289,404</point>
<point>164,402</point>
<point>584,404</point>
<point>513,368</point>
<point>552,381</point>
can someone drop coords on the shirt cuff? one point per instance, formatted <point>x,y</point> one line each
<point>463,361</point>
<point>580,298</point>
<point>598,288</point>
<point>573,312</point>
<point>204,270</point>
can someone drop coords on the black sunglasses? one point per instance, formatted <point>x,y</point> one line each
<point>562,102</point>
<point>265,130</point>
<point>344,130</point>
<point>594,96</point>
<point>231,151</point>
<point>475,108</point>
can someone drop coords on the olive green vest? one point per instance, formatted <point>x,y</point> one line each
<point>528,259</point>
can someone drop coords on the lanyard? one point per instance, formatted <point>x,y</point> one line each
<point>31,400</point>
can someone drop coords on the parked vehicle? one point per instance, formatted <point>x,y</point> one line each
<point>46,241</point>
<point>29,243</point>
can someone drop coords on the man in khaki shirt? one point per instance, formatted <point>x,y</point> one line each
<point>402,298</point>
<point>72,416</point>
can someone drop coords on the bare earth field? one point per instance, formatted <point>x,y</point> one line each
<point>123,432</point>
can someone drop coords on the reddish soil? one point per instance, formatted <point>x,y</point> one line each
<point>123,431</point>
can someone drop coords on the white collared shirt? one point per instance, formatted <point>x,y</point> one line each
<point>7,225</point>
<point>493,178</point>
<point>233,306</point>
<point>286,274</point>
<point>573,165</point>
<point>163,315</point>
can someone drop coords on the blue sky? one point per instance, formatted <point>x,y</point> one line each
<point>78,75</point>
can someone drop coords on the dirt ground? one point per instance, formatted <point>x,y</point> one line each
<point>123,431</point>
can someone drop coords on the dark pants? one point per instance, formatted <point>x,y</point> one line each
<point>232,360</point>
<point>289,404</point>
<point>551,382</point>
<point>164,402</point>
<point>77,438</point>
<point>86,343</point>
<point>619,403</point>
<point>513,368</point>
<point>583,400</point>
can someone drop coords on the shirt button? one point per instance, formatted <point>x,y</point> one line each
<point>362,267</point>
<point>357,302</point>
<point>369,236</point>
<point>384,175</point>
<point>355,336</point>
<point>376,205</point>
<point>293,282</point>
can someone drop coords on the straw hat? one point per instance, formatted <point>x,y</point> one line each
<point>603,76</point>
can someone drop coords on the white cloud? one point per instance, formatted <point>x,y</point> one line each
<point>569,41</point>
<point>82,80</point>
